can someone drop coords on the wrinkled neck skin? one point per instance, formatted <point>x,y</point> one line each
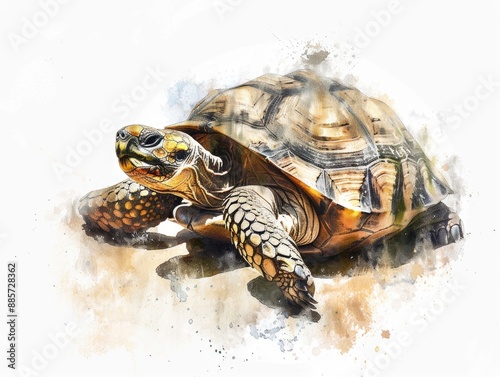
<point>202,181</point>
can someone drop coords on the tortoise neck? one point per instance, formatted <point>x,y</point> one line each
<point>205,181</point>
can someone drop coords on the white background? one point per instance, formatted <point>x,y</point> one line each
<point>68,73</point>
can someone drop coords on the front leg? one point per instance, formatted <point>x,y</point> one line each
<point>251,214</point>
<point>125,209</point>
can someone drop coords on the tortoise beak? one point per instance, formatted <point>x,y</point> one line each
<point>137,160</point>
<point>128,146</point>
<point>131,156</point>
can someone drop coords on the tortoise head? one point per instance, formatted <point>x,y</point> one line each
<point>165,160</point>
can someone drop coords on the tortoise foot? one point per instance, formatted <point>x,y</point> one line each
<point>441,225</point>
<point>140,239</point>
<point>252,219</point>
<point>126,207</point>
<point>298,289</point>
<point>447,231</point>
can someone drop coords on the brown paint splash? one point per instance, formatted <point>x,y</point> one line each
<point>416,271</point>
<point>347,311</point>
<point>386,334</point>
<point>314,54</point>
<point>207,295</point>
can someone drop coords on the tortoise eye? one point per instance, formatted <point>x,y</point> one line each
<point>181,155</point>
<point>152,140</point>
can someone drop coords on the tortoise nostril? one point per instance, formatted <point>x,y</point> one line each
<point>122,135</point>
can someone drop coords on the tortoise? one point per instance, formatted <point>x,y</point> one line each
<point>281,167</point>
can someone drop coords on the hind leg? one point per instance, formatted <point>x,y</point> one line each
<point>436,227</point>
<point>440,224</point>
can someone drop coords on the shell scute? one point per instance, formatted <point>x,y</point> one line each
<point>331,139</point>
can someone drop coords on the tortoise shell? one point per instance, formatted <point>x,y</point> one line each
<point>344,145</point>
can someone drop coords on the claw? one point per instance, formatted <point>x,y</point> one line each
<point>299,271</point>
<point>301,285</point>
<point>301,294</point>
<point>442,237</point>
<point>306,300</point>
<point>440,224</point>
<point>455,232</point>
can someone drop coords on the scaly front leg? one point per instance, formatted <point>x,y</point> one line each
<point>251,215</point>
<point>125,208</point>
